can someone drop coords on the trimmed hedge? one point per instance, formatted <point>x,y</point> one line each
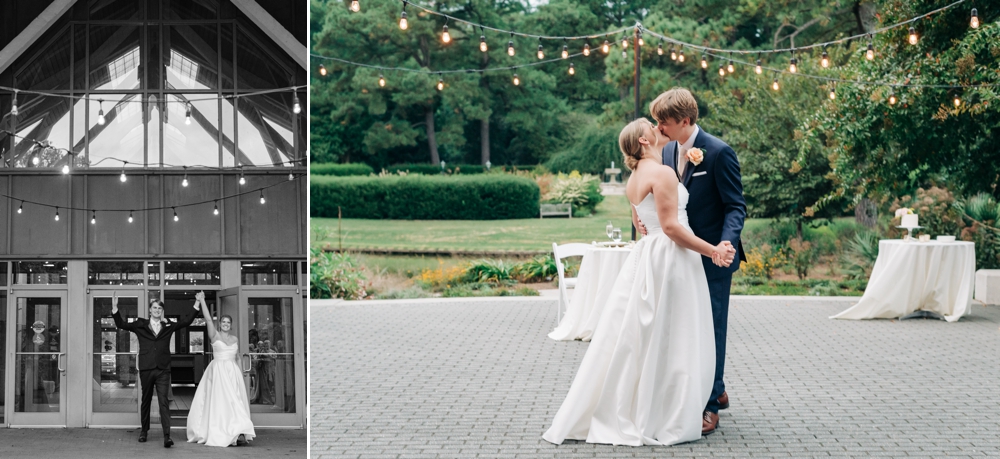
<point>341,170</point>
<point>434,169</point>
<point>422,197</point>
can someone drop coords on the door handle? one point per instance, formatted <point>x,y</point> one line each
<point>246,369</point>
<point>59,362</point>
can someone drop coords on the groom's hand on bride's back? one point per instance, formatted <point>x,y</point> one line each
<point>638,224</point>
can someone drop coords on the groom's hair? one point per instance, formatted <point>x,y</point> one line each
<point>675,104</point>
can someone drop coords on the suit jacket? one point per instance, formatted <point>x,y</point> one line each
<point>154,349</point>
<point>716,207</point>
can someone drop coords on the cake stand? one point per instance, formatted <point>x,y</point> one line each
<point>909,230</point>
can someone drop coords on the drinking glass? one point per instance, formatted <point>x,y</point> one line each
<point>608,229</point>
<point>616,234</point>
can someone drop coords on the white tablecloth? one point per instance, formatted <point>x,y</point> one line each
<point>598,271</point>
<point>912,276</point>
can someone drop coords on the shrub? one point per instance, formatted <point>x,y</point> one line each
<point>435,169</point>
<point>982,213</point>
<point>936,209</point>
<point>592,152</point>
<point>486,289</point>
<point>437,279</point>
<point>489,271</point>
<point>416,197</point>
<point>861,253</point>
<point>336,275</point>
<point>582,191</point>
<point>539,269</point>
<point>802,255</point>
<point>341,170</point>
<point>762,261</point>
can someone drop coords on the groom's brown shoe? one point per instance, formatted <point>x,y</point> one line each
<point>723,401</point>
<point>709,422</point>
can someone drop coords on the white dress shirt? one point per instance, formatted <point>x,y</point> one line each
<point>682,149</point>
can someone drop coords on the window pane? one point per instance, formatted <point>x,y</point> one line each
<point>192,60</point>
<point>47,69</point>
<point>3,281</point>
<point>39,272</point>
<point>265,129</point>
<point>80,56</point>
<point>114,10</point>
<point>272,360</point>
<point>3,349</point>
<point>42,119</point>
<point>153,269</point>
<point>191,141</point>
<point>261,67</point>
<point>121,135</point>
<point>114,57</point>
<point>192,273</point>
<point>229,136</point>
<point>226,55</point>
<point>268,272</point>
<point>114,273</point>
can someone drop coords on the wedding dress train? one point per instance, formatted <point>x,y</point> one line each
<point>649,370</point>
<point>220,411</point>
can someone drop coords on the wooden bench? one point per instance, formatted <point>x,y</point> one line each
<point>555,210</point>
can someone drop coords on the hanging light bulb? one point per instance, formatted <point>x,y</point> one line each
<point>20,208</point>
<point>445,36</point>
<point>35,160</point>
<point>130,216</point>
<point>722,70</point>
<point>57,214</point>
<point>913,36</point>
<point>659,49</point>
<point>291,176</point>
<point>440,84</point>
<point>296,108</point>
<point>606,48</point>
<point>510,45</point>
<point>774,85</point>
<point>870,53</point>
<point>958,101</point>
<point>572,71</point>
<point>100,113</point>
<point>833,93</point>
<point>974,22</point>
<point>13,105</point>
<point>892,98</point>
<point>381,81</point>
<point>262,201</point>
<point>624,41</point>
<point>176,218</point>
<point>680,57</point>
<point>565,52</point>
<point>541,50</point>
<point>355,6</point>
<point>322,70</point>
<point>793,65</point>
<point>93,218</point>
<point>184,183</point>
<point>704,62</point>
<point>187,114</point>
<point>730,67</point>
<point>586,49</point>
<point>122,177</point>
<point>758,69</point>
<point>216,210</point>
<point>402,19</point>
<point>517,81</point>
<point>673,54</point>
<point>243,180</point>
<point>641,41</point>
<point>824,59</point>
<point>482,44</point>
<point>65,169</point>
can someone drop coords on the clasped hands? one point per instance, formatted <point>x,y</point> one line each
<point>724,254</point>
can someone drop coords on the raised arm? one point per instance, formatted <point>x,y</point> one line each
<point>119,321</point>
<point>727,178</point>
<point>665,195</point>
<point>209,324</point>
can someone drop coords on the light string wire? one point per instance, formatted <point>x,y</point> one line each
<point>97,96</point>
<point>797,48</point>
<point>45,144</point>
<point>514,32</point>
<point>441,72</point>
<point>784,71</point>
<point>148,209</point>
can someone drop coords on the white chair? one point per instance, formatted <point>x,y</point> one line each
<point>564,251</point>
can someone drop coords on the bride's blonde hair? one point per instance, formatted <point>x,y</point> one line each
<point>628,141</point>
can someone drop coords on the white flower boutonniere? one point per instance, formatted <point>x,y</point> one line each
<point>696,156</point>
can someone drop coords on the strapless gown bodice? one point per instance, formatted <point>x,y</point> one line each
<point>222,351</point>
<point>646,210</point>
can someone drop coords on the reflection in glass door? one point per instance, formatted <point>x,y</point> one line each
<point>114,391</point>
<point>270,338</point>
<point>3,351</point>
<point>39,359</point>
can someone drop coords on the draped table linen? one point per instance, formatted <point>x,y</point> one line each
<point>598,271</point>
<point>912,276</point>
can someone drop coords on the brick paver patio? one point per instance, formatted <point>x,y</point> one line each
<point>479,378</point>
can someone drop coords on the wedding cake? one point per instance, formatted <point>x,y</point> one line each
<point>909,221</point>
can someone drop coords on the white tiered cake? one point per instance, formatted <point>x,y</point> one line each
<point>909,221</point>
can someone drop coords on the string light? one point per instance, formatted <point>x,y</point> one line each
<point>262,201</point>
<point>20,208</point>
<point>184,183</point>
<point>130,216</point>
<point>722,70</point>
<point>673,54</point>
<point>517,81</point>
<point>730,67</point>
<point>57,214</point>
<point>641,41</point>
<point>892,98</point>
<point>680,57</point>
<point>93,218</point>
<point>759,68</point>
<point>510,45</point>
<point>35,160</point>
<point>870,53</point>
<point>381,80</point>
<point>775,85</point>
<point>793,65</point>
<point>100,113</point>
<point>958,101</point>
<point>482,40</point>
<point>123,178</point>
<point>291,176</point>
<point>355,6</point>
<point>824,61</point>
<point>625,40</point>
<point>445,36</point>
<point>13,105</point>
<point>565,52</point>
<point>659,49</point>
<point>704,62</point>
<point>541,50</point>
<point>606,48</point>
<point>572,71</point>
<point>176,218</point>
<point>440,85</point>
<point>216,211</point>
<point>243,180</point>
<point>65,169</point>
<point>974,22</point>
<point>586,49</point>
<point>187,114</point>
<point>402,18</point>
<point>913,36</point>
<point>322,70</point>
<point>296,107</point>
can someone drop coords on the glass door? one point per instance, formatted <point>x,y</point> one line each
<point>114,379</point>
<point>272,356</point>
<point>39,358</point>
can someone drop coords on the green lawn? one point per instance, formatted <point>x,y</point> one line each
<point>479,235</point>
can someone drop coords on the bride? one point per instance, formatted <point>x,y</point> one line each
<point>649,370</point>
<point>220,411</point>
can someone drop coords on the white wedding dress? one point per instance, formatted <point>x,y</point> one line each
<point>649,370</point>
<point>220,411</point>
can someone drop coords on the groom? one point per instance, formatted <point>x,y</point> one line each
<point>716,210</point>
<point>154,335</point>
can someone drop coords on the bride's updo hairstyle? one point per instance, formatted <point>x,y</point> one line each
<point>628,141</point>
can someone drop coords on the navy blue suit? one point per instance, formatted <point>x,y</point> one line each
<point>716,210</point>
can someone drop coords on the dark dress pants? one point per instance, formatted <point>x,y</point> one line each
<point>718,290</point>
<point>160,381</point>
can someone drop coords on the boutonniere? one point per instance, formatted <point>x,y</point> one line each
<point>696,156</point>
